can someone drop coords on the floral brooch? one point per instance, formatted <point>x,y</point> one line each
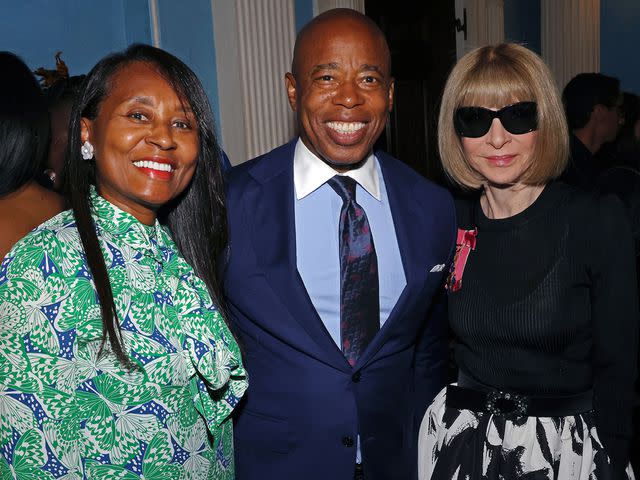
<point>465,243</point>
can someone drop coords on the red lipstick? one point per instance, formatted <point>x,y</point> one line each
<point>157,168</point>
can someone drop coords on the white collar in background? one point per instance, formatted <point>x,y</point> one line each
<point>310,173</point>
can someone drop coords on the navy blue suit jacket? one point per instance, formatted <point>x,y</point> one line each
<point>306,405</point>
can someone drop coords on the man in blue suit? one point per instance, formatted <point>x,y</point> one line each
<point>337,257</point>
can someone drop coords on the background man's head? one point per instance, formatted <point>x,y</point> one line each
<point>591,101</point>
<point>340,86</point>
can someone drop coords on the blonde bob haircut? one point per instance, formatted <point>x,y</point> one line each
<point>496,76</point>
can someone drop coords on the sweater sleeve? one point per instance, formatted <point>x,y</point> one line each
<point>615,316</point>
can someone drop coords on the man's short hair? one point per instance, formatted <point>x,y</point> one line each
<point>496,76</point>
<point>584,92</point>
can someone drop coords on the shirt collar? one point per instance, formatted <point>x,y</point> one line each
<point>310,173</point>
<point>150,240</point>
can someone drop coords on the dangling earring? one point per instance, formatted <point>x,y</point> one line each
<point>86,150</point>
<point>51,175</point>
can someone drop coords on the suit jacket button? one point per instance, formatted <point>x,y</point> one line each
<point>355,377</point>
<point>347,441</point>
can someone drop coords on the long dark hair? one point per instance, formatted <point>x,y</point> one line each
<point>197,218</point>
<point>24,124</point>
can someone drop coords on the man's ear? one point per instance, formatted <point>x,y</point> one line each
<point>85,129</point>
<point>392,85</point>
<point>598,109</point>
<point>292,90</point>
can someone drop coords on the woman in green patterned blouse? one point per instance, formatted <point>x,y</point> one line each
<point>115,359</point>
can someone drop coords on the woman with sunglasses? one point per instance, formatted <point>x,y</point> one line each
<point>542,298</point>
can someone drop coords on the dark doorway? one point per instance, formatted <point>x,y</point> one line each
<point>421,36</point>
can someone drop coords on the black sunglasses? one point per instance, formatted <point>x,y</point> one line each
<point>474,122</point>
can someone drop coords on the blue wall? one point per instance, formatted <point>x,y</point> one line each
<point>619,40</point>
<point>83,30</point>
<point>522,23</point>
<point>187,33</point>
<point>304,12</point>
<point>87,30</point>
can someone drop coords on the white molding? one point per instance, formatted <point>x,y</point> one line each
<point>230,95</point>
<point>460,6</point>
<point>485,24</point>
<point>155,22</point>
<point>254,46</point>
<point>324,5</point>
<point>267,34</point>
<point>570,37</point>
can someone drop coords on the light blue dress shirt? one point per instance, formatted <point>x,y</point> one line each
<point>317,218</point>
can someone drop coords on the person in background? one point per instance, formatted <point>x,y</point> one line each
<point>542,291</point>
<point>60,97</point>
<point>592,102</point>
<point>24,137</point>
<point>116,359</point>
<point>626,147</point>
<point>622,179</point>
<point>336,262</point>
<point>622,159</point>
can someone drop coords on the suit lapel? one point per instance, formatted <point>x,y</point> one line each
<point>404,213</point>
<point>271,207</point>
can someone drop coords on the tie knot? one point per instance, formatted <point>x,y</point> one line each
<point>344,186</point>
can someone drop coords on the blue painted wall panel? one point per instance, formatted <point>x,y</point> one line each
<point>619,40</point>
<point>83,30</point>
<point>188,34</point>
<point>522,23</point>
<point>87,30</point>
<point>137,22</point>
<point>304,12</point>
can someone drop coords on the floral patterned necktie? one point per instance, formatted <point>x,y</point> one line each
<point>359,298</point>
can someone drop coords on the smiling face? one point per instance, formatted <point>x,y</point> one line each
<point>146,143</point>
<point>341,89</point>
<point>500,157</point>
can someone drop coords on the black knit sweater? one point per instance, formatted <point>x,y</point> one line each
<point>548,305</point>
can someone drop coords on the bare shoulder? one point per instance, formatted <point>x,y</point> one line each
<point>49,203</point>
<point>24,210</point>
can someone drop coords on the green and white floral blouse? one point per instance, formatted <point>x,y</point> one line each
<point>67,413</point>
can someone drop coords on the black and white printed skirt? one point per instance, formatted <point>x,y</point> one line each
<point>464,445</point>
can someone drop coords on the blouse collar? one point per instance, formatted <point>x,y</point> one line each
<point>150,240</point>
